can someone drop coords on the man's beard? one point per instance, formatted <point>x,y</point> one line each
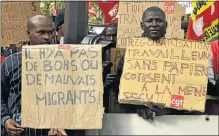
<point>147,34</point>
<point>155,38</point>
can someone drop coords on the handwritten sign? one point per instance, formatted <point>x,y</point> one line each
<point>187,5</point>
<point>169,71</point>
<point>62,87</point>
<point>130,18</point>
<point>116,54</point>
<point>14,19</point>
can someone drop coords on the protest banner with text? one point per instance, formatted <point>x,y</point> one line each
<point>62,86</point>
<point>169,71</point>
<point>14,16</point>
<point>130,18</point>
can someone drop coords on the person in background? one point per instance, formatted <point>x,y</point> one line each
<point>109,33</point>
<point>59,26</point>
<point>14,48</point>
<point>212,106</point>
<point>40,31</point>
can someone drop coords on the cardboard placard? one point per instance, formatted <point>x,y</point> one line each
<point>116,53</point>
<point>187,5</point>
<point>62,87</point>
<point>130,17</point>
<point>14,18</point>
<point>169,71</point>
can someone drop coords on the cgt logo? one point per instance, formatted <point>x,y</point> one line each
<point>177,102</point>
<point>169,7</point>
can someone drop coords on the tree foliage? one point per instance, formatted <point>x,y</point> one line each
<point>48,7</point>
<point>98,20</point>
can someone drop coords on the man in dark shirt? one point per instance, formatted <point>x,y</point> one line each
<point>109,34</point>
<point>211,106</point>
<point>40,31</point>
<point>154,25</point>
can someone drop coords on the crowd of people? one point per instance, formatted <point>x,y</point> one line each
<point>41,30</point>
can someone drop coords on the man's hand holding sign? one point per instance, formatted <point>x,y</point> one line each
<point>13,128</point>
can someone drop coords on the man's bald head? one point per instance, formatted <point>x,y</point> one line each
<point>36,20</point>
<point>40,30</point>
<point>154,23</point>
<point>153,9</point>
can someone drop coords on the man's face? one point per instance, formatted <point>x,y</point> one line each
<point>154,25</point>
<point>42,33</point>
<point>111,34</point>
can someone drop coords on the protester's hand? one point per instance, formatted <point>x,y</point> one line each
<point>57,132</point>
<point>155,107</point>
<point>13,128</point>
<point>150,110</point>
<point>111,79</point>
<point>145,112</point>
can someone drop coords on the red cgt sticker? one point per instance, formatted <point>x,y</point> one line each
<point>169,7</point>
<point>177,102</point>
<point>64,46</point>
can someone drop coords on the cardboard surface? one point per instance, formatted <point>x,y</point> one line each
<point>62,86</point>
<point>116,53</point>
<point>14,16</point>
<point>169,71</point>
<point>130,17</point>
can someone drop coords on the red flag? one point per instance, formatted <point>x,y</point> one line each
<point>56,11</point>
<point>114,12</point>
<point>106,6</point>
<point>91,10</point>
<point>203,24</point>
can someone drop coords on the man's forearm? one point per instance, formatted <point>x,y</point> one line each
<point>4,114</point>
<point>5,84</point>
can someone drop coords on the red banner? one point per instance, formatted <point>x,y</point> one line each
<point>114,12</point>
<point>203,24</point>
<point>106,7</point>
